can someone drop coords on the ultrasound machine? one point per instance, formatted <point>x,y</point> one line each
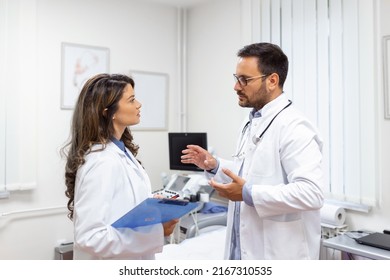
<point>191,184</point>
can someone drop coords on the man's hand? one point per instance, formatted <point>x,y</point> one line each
<point>232,190</point>
<point>200,157</point>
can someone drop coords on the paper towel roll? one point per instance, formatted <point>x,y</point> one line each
<point>332,215</point>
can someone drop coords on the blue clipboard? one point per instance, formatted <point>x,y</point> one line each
<point>154,211</point>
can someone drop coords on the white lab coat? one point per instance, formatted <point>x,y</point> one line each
<point>108,185</point>
<point>284,168</point>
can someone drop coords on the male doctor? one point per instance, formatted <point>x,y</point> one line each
<point>274,183</point>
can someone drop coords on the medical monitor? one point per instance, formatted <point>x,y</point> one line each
<point>178,141</point>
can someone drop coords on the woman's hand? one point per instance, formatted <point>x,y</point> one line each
<point>169,226</point>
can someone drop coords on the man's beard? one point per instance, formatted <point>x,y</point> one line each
<point>243,100</point>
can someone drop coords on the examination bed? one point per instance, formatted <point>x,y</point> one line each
<point>198,236</point>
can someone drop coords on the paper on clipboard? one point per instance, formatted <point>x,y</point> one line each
<point>153,211</point>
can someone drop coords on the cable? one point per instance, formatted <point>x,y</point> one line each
<point>194,216</point>
<point>350,256</point>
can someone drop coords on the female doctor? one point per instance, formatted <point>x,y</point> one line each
<point>104,180</point>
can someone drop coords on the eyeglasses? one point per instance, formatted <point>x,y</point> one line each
<point>244,81</point>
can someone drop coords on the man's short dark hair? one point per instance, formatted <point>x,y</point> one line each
<point>271,59</point>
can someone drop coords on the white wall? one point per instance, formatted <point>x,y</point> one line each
<point>140,35</point>
<point>214,37</point>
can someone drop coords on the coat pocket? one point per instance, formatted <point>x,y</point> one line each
<point>263,161</point>
<point>285,240</point>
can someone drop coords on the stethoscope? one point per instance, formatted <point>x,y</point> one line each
<point>256,139</point>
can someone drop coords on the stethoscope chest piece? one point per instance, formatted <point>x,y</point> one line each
<point>256,140</point>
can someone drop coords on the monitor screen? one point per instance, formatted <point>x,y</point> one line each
<point>178,141</point>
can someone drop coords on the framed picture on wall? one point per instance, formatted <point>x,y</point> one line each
<point>151,89</point>
<point>79,63</point>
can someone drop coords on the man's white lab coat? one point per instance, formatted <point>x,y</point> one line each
<point>284,168</point>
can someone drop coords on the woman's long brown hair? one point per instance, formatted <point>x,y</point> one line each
<point>92,124</point>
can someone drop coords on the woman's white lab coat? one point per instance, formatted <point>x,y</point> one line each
<point>108,185</point>
<point>284,168</point>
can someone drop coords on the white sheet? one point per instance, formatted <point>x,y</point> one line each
<point>209,245</point>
